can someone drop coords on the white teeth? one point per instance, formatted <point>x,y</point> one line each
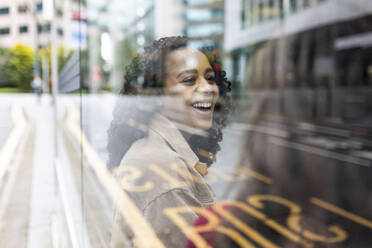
<point>202,105</point>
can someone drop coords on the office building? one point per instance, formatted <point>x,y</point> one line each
<point>307,51</point>
<point>22,21</point>
<point>204,22</point>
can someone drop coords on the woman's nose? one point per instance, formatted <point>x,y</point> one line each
<point>205,86</point>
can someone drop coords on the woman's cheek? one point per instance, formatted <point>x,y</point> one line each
<point>188,95</point>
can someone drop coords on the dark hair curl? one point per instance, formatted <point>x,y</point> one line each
<point>144,76</point>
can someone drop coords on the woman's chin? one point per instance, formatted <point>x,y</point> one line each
<point>203,124</point>
<point>201,119</point>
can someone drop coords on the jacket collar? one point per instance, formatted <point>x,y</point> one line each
<point>168,131</point>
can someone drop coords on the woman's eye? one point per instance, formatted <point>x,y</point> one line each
<point>190,80</point>
<point>211,78</point>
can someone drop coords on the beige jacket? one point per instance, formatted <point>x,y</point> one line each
<point>158,172</point>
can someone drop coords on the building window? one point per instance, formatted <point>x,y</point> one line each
<point>281,8</point>
<point>293,5</point>
<point>248,13</point>
<point>22,9</point>
<point>4,31</point>
<point>204,30</point>
<point>43,28</point>
<point>39,7</point>
<point>203,14</point>
<point>23,29</point>
<point>260,12</point>
<point>194,2</point>
<point>4,11</point>
<point>60,31</point>
<point>59,12</point>
<point>271,11</point>
<point>306,3</point>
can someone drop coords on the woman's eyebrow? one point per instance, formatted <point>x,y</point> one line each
<point>208,70</point>
<point>187,71</point>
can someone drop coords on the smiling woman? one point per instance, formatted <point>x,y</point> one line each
<point>191,78</point>
<point>165,133</point>
<point>173,78</point>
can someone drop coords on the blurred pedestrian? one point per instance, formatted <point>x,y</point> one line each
<point>36,85</point>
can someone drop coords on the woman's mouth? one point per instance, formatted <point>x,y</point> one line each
<point>203,107</point>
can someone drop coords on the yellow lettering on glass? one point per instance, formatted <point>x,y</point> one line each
<point>187,174</point>
<point>247,230</point>
<point>130,175</point>
<point>194,232</point>
<point>171,182</point>
<point>256,202</point>
<point>346,214</point>
<point>241,174</point>
<point>254,174</point>
<point>293,220</point>
<point>224,175</point>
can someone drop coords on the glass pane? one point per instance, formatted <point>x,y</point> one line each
<point>186,123</point>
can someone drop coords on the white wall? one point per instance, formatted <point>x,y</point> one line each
<point>168,18</point>
<point>14,20</point>
<point>319,15</point>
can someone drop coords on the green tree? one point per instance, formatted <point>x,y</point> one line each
<point>19,68</point>
<point>4,59</point>
<point>63,56</point>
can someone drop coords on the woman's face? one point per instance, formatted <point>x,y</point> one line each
<point>191,80</point>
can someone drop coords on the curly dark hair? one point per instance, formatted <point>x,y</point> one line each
<point>144,76</point>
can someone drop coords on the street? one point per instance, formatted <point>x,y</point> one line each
<point>54,191</point>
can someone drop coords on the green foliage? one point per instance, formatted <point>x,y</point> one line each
<point>4,58</point>
<point>45,52</point>
<point>125,51</point>
<point>63,56</point>
<point>19,67</point>
<point>10,90</point>
<point>17,64</point>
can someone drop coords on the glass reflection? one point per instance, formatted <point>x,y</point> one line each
<point>293,167</point>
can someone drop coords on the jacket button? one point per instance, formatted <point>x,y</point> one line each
<point>201,168</point>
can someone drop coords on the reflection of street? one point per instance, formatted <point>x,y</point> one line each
<point>5,111</point>
<point>15,172</point>
<point>5,124</point>
<point>294,184</point>
<point>306,164</point>
<point>318,178</point>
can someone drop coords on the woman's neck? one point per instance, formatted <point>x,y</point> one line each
<point>186,135</point>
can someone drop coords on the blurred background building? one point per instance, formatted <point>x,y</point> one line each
<point>122,28</point>
<point>204,22</point>
<point>266,45</point>
<point>26,39</point>
<point>303,53</point>
<point>22,21</point>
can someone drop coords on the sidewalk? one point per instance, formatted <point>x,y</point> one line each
<point>43,191</point>
<point>15,195</point>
